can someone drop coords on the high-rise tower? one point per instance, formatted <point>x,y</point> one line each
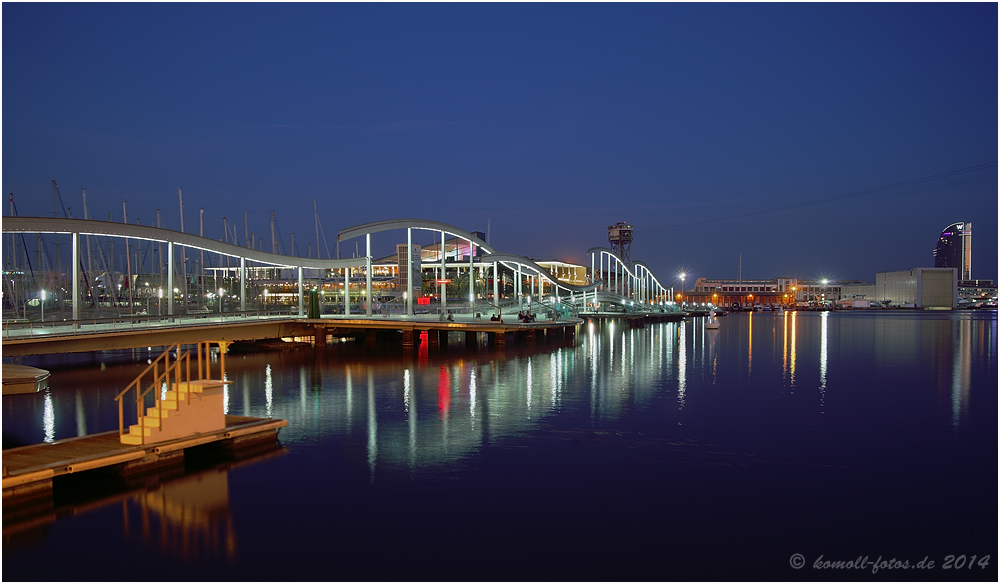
<point>620,238</point>
<point>954,249</point>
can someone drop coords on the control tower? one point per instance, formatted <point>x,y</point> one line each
<point>620,238</point>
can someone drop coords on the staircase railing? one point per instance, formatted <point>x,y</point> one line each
<point>179,371</point>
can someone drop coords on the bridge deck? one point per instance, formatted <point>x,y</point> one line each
<point>40,462</point>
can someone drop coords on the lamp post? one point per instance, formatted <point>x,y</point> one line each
<point>43,305</point>
<point>220,300</point>
<point>159,302</point>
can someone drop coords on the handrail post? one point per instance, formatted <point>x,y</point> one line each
<point>187,361</point>
<point>222,360</point>
<point>138,413</point>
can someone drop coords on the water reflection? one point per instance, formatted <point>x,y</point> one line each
<point>81,415</point>
<point>191,515</point>
<point>184,517</point>
<point>681,364</point>
<point>372,426</point>
<point>424,412</point>
<point>824,317</point>
<point>960,372</point>
<point>49,418</point>
<point>268,390</point>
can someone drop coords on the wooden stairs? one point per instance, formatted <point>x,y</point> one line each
<point>189,406</point>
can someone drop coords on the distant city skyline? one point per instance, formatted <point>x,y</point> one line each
<point>817,140</point>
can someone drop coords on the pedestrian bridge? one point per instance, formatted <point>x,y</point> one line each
<point>614,286</point>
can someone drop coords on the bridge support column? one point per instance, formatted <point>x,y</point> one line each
<point>243,285</point>
<point>347,291</point>
<point>408,293</point>
<point>569,334</point>
<point>319,334</point>
<point>170,278</point>
<point>433,338</point>
<point>498,339</point>
<point>301,314</point>
<point>368,274</point>
<point>444,277</point>
<point>517,290</point>
<point>471,340</point>
<point>371,338</point>
<point>76,277</point>
<point>408,340</point>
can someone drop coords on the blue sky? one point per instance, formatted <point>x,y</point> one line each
<point>716,129</point>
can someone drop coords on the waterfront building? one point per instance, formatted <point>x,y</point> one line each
<point>933,288</point>
<point>954,249</point>
<point>973,291</point>
<point>786,291</point>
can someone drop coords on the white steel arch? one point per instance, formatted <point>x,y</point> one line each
<point>78,227</point>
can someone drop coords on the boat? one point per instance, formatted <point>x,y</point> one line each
<point>713,322</point>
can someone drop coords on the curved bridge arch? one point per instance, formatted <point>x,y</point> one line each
<point>425,224</point>
<point>643,284</point>
<point>157,234</point>
<point>77,227</point>
<point>508,260</point>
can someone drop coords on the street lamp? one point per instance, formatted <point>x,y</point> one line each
<point>43,305</point>
<point>159,302</point>
<point>220,299</point>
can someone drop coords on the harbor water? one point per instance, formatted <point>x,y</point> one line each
<point>667,452</point>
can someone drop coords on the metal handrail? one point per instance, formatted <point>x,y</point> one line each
<point>13,330</point>
<point>180,370</point>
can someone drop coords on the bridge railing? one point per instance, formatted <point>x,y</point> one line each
<point>32,329</point>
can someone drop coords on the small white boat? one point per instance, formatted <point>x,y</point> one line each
<point>712,322</point>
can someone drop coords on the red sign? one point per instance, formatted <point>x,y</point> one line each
<point>424,300</point>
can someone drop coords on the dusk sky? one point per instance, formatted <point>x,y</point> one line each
<point>797,135</point>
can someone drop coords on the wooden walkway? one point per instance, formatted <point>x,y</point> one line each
<point>28,469</point>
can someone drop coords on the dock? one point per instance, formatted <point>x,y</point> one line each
<point>23,379</point>
<point>28,471</point>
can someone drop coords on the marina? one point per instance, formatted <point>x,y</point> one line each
<point>772,420</point>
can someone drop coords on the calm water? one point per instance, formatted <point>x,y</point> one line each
<point>663,453</point>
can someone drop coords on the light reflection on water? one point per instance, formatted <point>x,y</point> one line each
<point>637,363</point>
<point>897,384</point>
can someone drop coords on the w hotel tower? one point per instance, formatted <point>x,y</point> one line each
<point>954,249</point>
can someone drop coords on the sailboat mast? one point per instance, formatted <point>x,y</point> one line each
<point>274,244</point>
<point>55,213</point>
<point>201,260</point>
<point>159,224</point>
<point>180,201</point>
<point>86,216</point>
<point>316,221</point>
<point>128,264</point>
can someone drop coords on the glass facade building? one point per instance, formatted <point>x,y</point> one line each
<point>954,249</point>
